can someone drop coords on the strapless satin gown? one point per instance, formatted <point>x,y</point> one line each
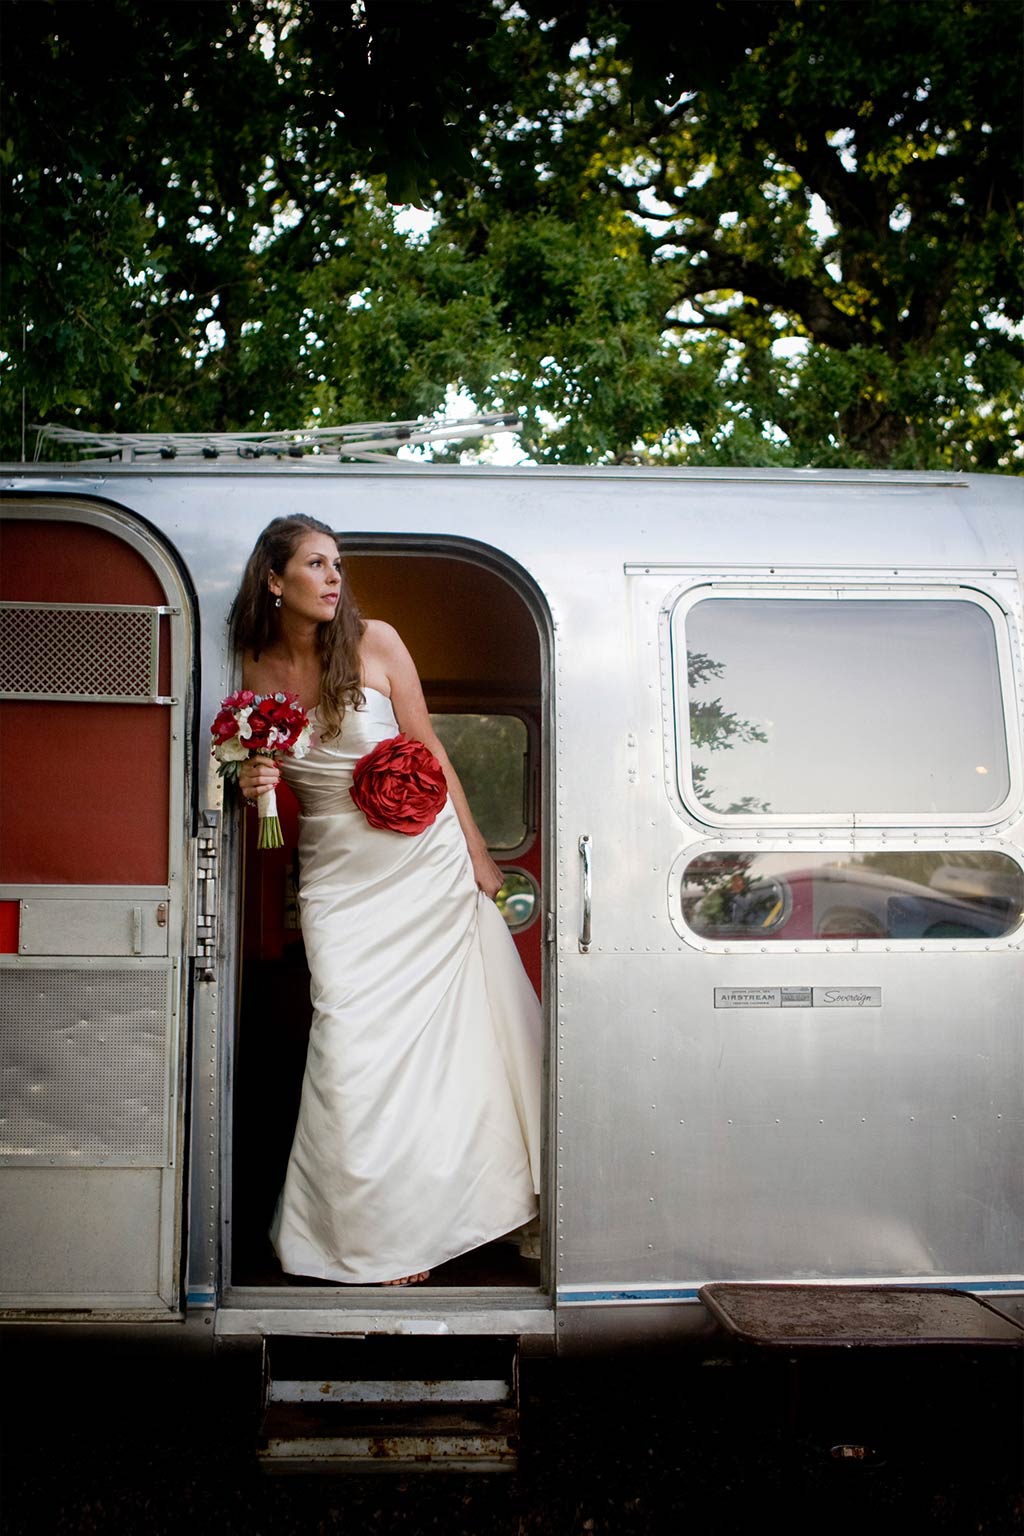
<point>419,1126</point>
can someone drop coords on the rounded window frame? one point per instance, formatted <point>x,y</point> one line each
<point>1012,939</point>
<point>679,760</point>
<point>517,869</point>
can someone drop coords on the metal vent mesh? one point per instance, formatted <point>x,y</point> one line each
<point>77,652</point>
<point>83,1067</point>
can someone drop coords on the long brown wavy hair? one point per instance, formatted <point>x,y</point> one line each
<point>255,624</point>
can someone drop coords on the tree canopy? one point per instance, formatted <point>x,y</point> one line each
<point>783,231</point>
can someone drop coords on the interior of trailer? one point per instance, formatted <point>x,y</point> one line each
<point>478,651</point>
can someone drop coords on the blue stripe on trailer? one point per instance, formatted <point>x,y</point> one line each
<point>577,1298</point>
<point>652,1293</point>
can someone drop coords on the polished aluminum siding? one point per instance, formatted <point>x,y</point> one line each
<point>687,1143</point>
<point>762,1143</point>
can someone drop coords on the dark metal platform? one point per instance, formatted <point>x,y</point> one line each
<point>838,1316</point>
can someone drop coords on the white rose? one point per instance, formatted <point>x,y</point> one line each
<point>233,750</point>
<point>301,746</point>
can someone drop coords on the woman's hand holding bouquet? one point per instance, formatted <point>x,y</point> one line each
<point>260,725</point>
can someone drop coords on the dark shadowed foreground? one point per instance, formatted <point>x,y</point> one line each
<point>128,1438</point>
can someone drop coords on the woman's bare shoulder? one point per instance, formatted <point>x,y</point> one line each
<point>384,656</point>
<point>381,639</point>
<point>379,630</point>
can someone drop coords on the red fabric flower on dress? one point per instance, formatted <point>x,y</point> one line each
<point>399,786</point>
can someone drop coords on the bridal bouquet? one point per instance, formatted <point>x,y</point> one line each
<point>399,785</point>
<point>260,725</point>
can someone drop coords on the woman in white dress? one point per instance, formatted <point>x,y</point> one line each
<point>418,1129</point>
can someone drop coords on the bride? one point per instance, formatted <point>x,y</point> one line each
<point>418,1128</point>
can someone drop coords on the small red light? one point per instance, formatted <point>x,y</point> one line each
<point>10,913</point>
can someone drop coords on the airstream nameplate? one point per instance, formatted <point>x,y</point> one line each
<point>798,997</point>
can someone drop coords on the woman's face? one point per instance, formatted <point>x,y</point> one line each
<point>310,584</point>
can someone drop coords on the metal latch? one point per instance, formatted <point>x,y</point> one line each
<point>204,905</point>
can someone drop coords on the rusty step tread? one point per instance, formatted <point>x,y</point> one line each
<point>331,1419</point>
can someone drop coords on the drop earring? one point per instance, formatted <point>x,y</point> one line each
<point>277,602</point>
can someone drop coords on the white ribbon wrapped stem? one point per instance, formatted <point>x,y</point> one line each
<point>266,804</point>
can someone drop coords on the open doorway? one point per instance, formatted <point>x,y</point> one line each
<point>479,651</point>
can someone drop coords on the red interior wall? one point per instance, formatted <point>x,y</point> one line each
<point>528,940</point>
<point>46,561</point>
<point>266,872</point>
<point>84,788</point>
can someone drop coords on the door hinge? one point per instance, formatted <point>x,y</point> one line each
<point>205,884</point>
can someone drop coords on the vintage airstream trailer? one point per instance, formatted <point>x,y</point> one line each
<point>760,743</point>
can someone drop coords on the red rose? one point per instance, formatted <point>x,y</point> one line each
<point>399,786</point>
<point>283,714</point>
<point>224,727</point>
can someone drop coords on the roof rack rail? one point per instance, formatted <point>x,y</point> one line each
<point>364,440</point>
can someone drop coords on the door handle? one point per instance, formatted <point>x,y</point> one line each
<point>586,889</point>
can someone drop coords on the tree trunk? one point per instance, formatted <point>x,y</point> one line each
<point>878,433</point>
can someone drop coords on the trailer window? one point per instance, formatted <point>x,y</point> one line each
<point>885,895</point>
<point>840,706</point>
<point>518,901</point>
<point>489,753</point>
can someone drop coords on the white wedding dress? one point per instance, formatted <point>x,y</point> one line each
<point>419,1127</point>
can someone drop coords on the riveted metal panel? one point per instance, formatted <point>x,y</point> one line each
<point>782,1102</point>
<point>111,925</point>
<point>82,1238</point>
<point>85,1074</point>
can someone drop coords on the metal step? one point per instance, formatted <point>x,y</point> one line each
<point>390,1403</point>
<point>836,1315</point>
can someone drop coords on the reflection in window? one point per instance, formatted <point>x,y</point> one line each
<point>795,896</point>
<point>714,729</point>
<point>489,754</point>
<point>517,899</point>
<point>844,706</point>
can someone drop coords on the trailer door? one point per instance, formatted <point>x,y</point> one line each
<point>789,965</point>
<point>95,662</point>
